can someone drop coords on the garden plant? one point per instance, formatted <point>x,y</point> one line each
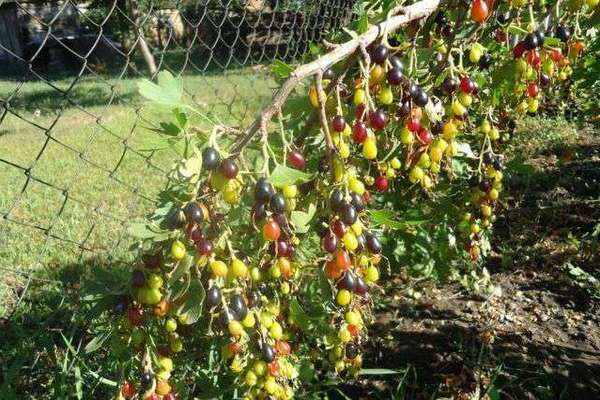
<point>258,272</point>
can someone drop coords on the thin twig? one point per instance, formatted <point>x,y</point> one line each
<point>403,15</point>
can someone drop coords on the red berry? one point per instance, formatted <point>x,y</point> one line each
<point>424,136</point>
<point>204,246</point>
<point>556,55</point>
<point>280,248</point>
<point>274,368</point>
<point>169,396</point>
<point>338,123</point>
<point>413,124</point>
<point>128,390</point>
<point>353,330</point>
<point>519,50</point>
<point>342,259</point>
<point>153,396</point>
<point>533,89</point>
<point>359,132</point>
<point>381,183</point>
<point>296,159</point>
<point>228,168</point>
<point>271,230</point>
<point>282,347</point>
<point>378,119</point>
<point>467,85</point>
<point>338,227</point>
<point>196,235</point>
<point>135,315</point>
<point>366,196</point>
<point>534,59</point>
<point>479,11</point>
<point>330,242</point>
<point>360,111</point>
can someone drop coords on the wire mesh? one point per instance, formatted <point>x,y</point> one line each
<point>76,157</point>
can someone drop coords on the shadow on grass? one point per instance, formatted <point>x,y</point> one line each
<point>41,351</point>
<point>50,101</point>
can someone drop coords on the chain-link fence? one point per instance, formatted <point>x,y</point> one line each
<point>77,158</point>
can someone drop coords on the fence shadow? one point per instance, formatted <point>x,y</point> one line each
<point>41,351</point>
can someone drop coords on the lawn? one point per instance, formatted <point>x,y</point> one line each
<point>75,165</point>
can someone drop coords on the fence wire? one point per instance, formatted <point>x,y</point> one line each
<point>77,161</point>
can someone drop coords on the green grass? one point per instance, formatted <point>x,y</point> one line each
<point>88,150</point>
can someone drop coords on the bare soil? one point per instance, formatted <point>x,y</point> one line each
<point>541,338</point>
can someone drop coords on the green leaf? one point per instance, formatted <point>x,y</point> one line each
<point>157,142</point>
<point>301,219</point>
<point>182,268</point>
<point>283,176</point>
<point>387,218</point>
<point>362,24</point>
<point>162,211</point>
<point>298,315</point>
<point>379,371</point>
<point>145,231</point>
<point>181,117</point>
<point>281,70</point>
<point>515,30</point>
<point>190,167</point>
<point>168,91</point>
<point>459,166</point>
<point>306,372</point>
<point>314,49</point>
<point>97,342</point>
<point>192,307</point>
<point>465,148</point>
<point>177,289</point>
<point>519,166</point>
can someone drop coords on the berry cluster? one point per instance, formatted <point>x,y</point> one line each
<point>231,259</point>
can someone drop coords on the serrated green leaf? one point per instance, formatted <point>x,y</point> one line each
<point>465,148</point>
<point>298,315</point>
<point>181,117</point>
<point>306,372</point>
<point>190,167</point>
<point>459,166</point>
<point>314,49</point>
<point>157,142</point>
<point>177,289</point>
<point>182,268</point>
<point>519,166</point>
<point>281,70</point>
<point>282,176</point>
<point>192,307</point>
<point>168,90</point>
<point>145,231</point>
<point>162,211</point>
<point>301,219</point>
<point>362,24</point>
<point>387,219</point>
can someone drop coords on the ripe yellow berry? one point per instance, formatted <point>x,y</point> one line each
<point>219,268</point>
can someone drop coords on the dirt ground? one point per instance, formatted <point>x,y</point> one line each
<point>541,338</point>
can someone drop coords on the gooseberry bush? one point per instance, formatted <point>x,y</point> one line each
<point>257,273</point>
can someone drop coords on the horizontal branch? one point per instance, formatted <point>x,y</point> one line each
<point>405,15</point>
